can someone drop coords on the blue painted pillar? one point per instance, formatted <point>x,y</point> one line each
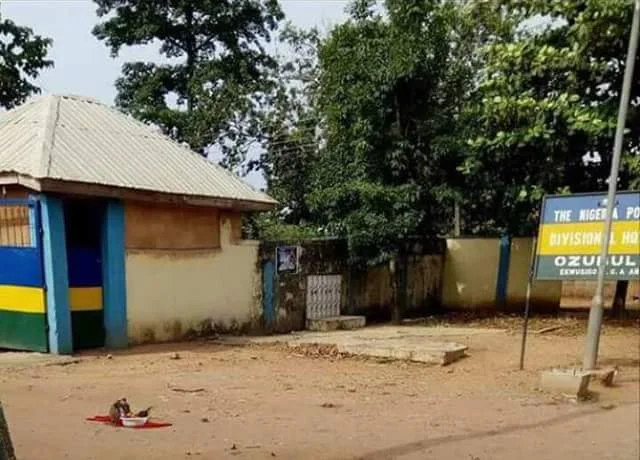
<point>34,221</point>
<point>268,306</point>
<point>503,271</point>
<point>54,254</point>
<point>114,276</point>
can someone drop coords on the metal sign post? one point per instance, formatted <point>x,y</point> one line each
<point>527,302</point>
<point>570,237</point>
<point>596,313</point>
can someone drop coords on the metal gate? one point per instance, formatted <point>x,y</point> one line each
<point>23,319</point>
<point>324,294</point>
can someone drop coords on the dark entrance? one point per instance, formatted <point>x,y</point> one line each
<point>83,229</point>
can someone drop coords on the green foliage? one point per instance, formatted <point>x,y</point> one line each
<point>270,227</point>
<point>548,95</point>
<point>214,86</point>
<point>291,138</point>
<point>377,219</point>
<point>23,56</point>
<point>390,92</point>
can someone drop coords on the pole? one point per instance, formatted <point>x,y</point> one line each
<point>596,313</point>
<point>527,303</point>
<point>6,448</point>
<point>456,219</point>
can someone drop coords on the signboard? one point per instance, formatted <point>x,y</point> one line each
<point>287,259</point>
<point>570,237</point>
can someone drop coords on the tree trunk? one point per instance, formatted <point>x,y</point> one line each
<point>619,300</point>
<point>6,447</point>
<point>393,277</point>
<point>398,273</point>
<point>190,45</point>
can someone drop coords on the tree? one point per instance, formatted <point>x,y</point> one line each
<point>23,56</point>
<point>291,130</point>
<point>217,73</point>
<point>545,110</point>
<point>391,87</point>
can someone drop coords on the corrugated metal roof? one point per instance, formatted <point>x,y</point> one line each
<point>77,139</point>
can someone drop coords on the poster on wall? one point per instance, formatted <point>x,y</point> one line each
<point>287,259</point>
<point>571,233</point>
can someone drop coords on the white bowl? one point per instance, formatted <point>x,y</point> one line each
<point>133,421</point>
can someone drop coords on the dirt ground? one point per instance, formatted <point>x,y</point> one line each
<point>259,402</point>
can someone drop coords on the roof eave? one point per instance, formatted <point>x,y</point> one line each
<point>105,191</point>
<point>19,179</point>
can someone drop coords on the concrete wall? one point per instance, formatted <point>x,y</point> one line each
<point>372,293</point>
<point>192,276</point>
<point>155,226</point>
<point>290,289</point>
<point>365,292</point>
<point>470,273</point>
<point>471,276</point>
<point>578,294</point>
<point>545,295</point>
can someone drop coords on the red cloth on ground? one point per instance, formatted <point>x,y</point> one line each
<point>106,419</point>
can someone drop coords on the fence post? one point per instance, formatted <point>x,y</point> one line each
<point>6,448</point>
<point>503,271</point>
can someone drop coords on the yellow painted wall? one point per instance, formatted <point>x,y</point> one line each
<point>470,273</point>
<point>545,295</point>
<point>172,292</point>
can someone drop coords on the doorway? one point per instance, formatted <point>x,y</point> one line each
<point>83,234</point>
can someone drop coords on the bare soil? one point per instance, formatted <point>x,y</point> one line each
<point>259,402</point>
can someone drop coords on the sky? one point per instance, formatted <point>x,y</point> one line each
<point>84,66</point>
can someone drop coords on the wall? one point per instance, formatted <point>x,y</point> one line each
<point>290,289</point>
<point>471,276</point>
<point>364,292</point>
<point>372,293</point>
<point>22,294</point>
<point>192,275</point>
<point>470,273</point>
<point>545,295</point>
<point>578,294</point>
<point>159,226</point>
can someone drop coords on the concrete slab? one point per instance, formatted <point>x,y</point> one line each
<point>433,345</point>
<point>336,323</point>
<point>429,353</point>
<point>570,382</point>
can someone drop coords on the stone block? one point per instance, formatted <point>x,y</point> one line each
<point>604,376</point>
<point>336,323</point>
<point>570,382</point>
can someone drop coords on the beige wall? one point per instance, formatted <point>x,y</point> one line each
<point>161,226</point>
<point>545,295</point>
<point>175,292</point>
<point>470,273</point>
